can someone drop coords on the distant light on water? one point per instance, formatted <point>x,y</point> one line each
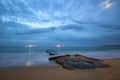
<point>59,46</point>
<point>30,45</point>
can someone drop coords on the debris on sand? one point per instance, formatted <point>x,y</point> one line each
<point>51,52</point>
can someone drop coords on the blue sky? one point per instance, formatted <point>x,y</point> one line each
<point>66,22</point>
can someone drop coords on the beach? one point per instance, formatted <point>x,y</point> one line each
<point>59,39</point>
<point>57,72</point>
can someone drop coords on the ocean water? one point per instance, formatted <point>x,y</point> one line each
<point>22,56</point>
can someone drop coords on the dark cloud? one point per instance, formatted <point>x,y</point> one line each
<point>37,31</point>
<point>106,27</point>
<point>13,25</point>
<point>71,27</point>
<point>110,25</point>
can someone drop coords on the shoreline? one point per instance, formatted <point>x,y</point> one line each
<point>57,72</point>
<point>41,58</point>
<point>47,64</point>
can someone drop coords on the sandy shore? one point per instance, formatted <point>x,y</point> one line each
<point>56,72</point>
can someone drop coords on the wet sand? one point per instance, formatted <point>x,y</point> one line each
<point>56,72</point>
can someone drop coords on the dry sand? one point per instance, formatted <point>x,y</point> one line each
<point>56,72</point>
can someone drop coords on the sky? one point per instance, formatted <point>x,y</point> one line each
<point>65,22</point>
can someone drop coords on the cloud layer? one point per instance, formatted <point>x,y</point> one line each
<point>68,22</point>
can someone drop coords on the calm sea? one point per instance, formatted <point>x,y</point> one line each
<point>37,56</point>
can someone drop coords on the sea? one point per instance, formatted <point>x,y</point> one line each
<point>37,56</point>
